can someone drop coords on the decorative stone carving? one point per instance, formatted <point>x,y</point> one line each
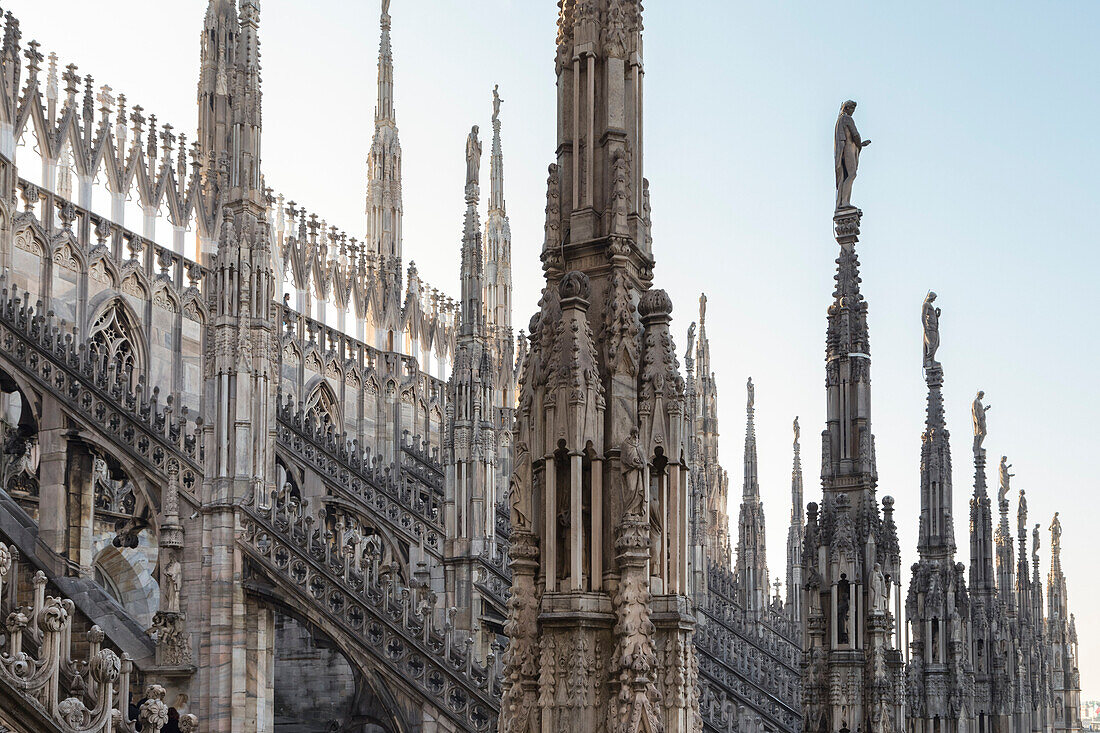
<point>930,318</point>
<point>473,158</point>
<point>633,463</point>
<point>977,414</point>
<point>847,146</point>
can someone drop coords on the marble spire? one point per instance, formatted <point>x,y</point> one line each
<point>850,567</point>
<point>796,533</point>
<point>383,201</point>
<point>752,565</point>
<point>936,606</point>
<point>497,263</point>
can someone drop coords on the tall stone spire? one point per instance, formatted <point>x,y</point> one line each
<point>752,564</point>
<point>240,376</point>
<point>498,273</point>
<point>937,609</point>
<point>383,204</point>
<point>1006,554</point>
<point>849,564</point>
<point>711,475</point>
<point>470,480</point>
<point>987,613</point>
<point>795,534</point>
<point>1062,632</point>
<point>600,493</point>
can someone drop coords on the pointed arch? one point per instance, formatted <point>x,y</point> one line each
<point>115,339</point>
<point>323,400</point>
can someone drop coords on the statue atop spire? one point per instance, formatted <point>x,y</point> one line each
<point>930,317</point>
<point>847,146</point>
<point>977,414</point>
<point>473,160</point>
<point>1005,477</point>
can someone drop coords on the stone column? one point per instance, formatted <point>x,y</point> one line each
<point>81,500</point>
<point>635,660</point>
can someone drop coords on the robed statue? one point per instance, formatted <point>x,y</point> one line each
<point>1056,535</point>
<point>797,431</point>
<point>752,393</point>
<point>930,318</point>
<point>496,102</point>
<point>878,589</point>
<point>519,489</point>
<point>977,412</point>
<point>632,464</point>
<point>847,145</point>
<point>1005,478</point>
<point>473,157</point>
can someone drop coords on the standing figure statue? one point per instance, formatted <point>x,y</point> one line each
<point>632,464</point>
<point>847,145</point>
<point>930,317</point>
<point>878,589</point>
<point>473,157</point>
<point>797,431</point>
<point>1056,536</point>
<point>496,102</point>
<point>173,581</point>
<point>1035,542</point>
<point>977,412</point>
<point>752,394</point>
<point>1005,477</point>
<point>519,495</point>
<point>690,341</point>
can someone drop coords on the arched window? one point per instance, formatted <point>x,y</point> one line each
<point>114,343</point>
<point>327,410</point>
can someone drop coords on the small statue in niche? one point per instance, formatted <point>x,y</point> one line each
<point>632,462</point>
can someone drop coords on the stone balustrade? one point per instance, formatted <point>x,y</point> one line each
<point>89,694</point>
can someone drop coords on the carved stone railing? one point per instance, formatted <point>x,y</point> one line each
<point>749,669</point>
<point>421,460</point>
<point>749,675</point>
<point>368,604</point>
<point>37,667</point>
<point>722,584</point>
<point>36,345</point>
<point>503,521</point>
<point>353,473</point>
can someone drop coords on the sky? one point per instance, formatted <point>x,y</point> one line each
<point>981,184</point>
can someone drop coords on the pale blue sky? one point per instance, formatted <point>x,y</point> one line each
<point>981,184</point>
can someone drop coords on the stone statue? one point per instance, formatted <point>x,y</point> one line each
<point>632,463</point>
<point>690,341</point>
<point>1005,479</point>
<point>752,393</point>
<point>847,145</point>
<point>797,430</point>
<point>385,7</point>
<point>496,102</point>
<point>1035,541</point>
<point>702,308</point>
<point>878,589</point>
<point>172,579</point>
<point>930,317</point>
<point>956,628</point>
<point>1056,535</point>
<point>977,412</point>
<point>473,157</point>
<point>518,491</point>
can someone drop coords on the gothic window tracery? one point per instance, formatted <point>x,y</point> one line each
<point>323,404</point>
<point>114,344</point>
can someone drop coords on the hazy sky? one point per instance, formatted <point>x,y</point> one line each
<point>981,184</point>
